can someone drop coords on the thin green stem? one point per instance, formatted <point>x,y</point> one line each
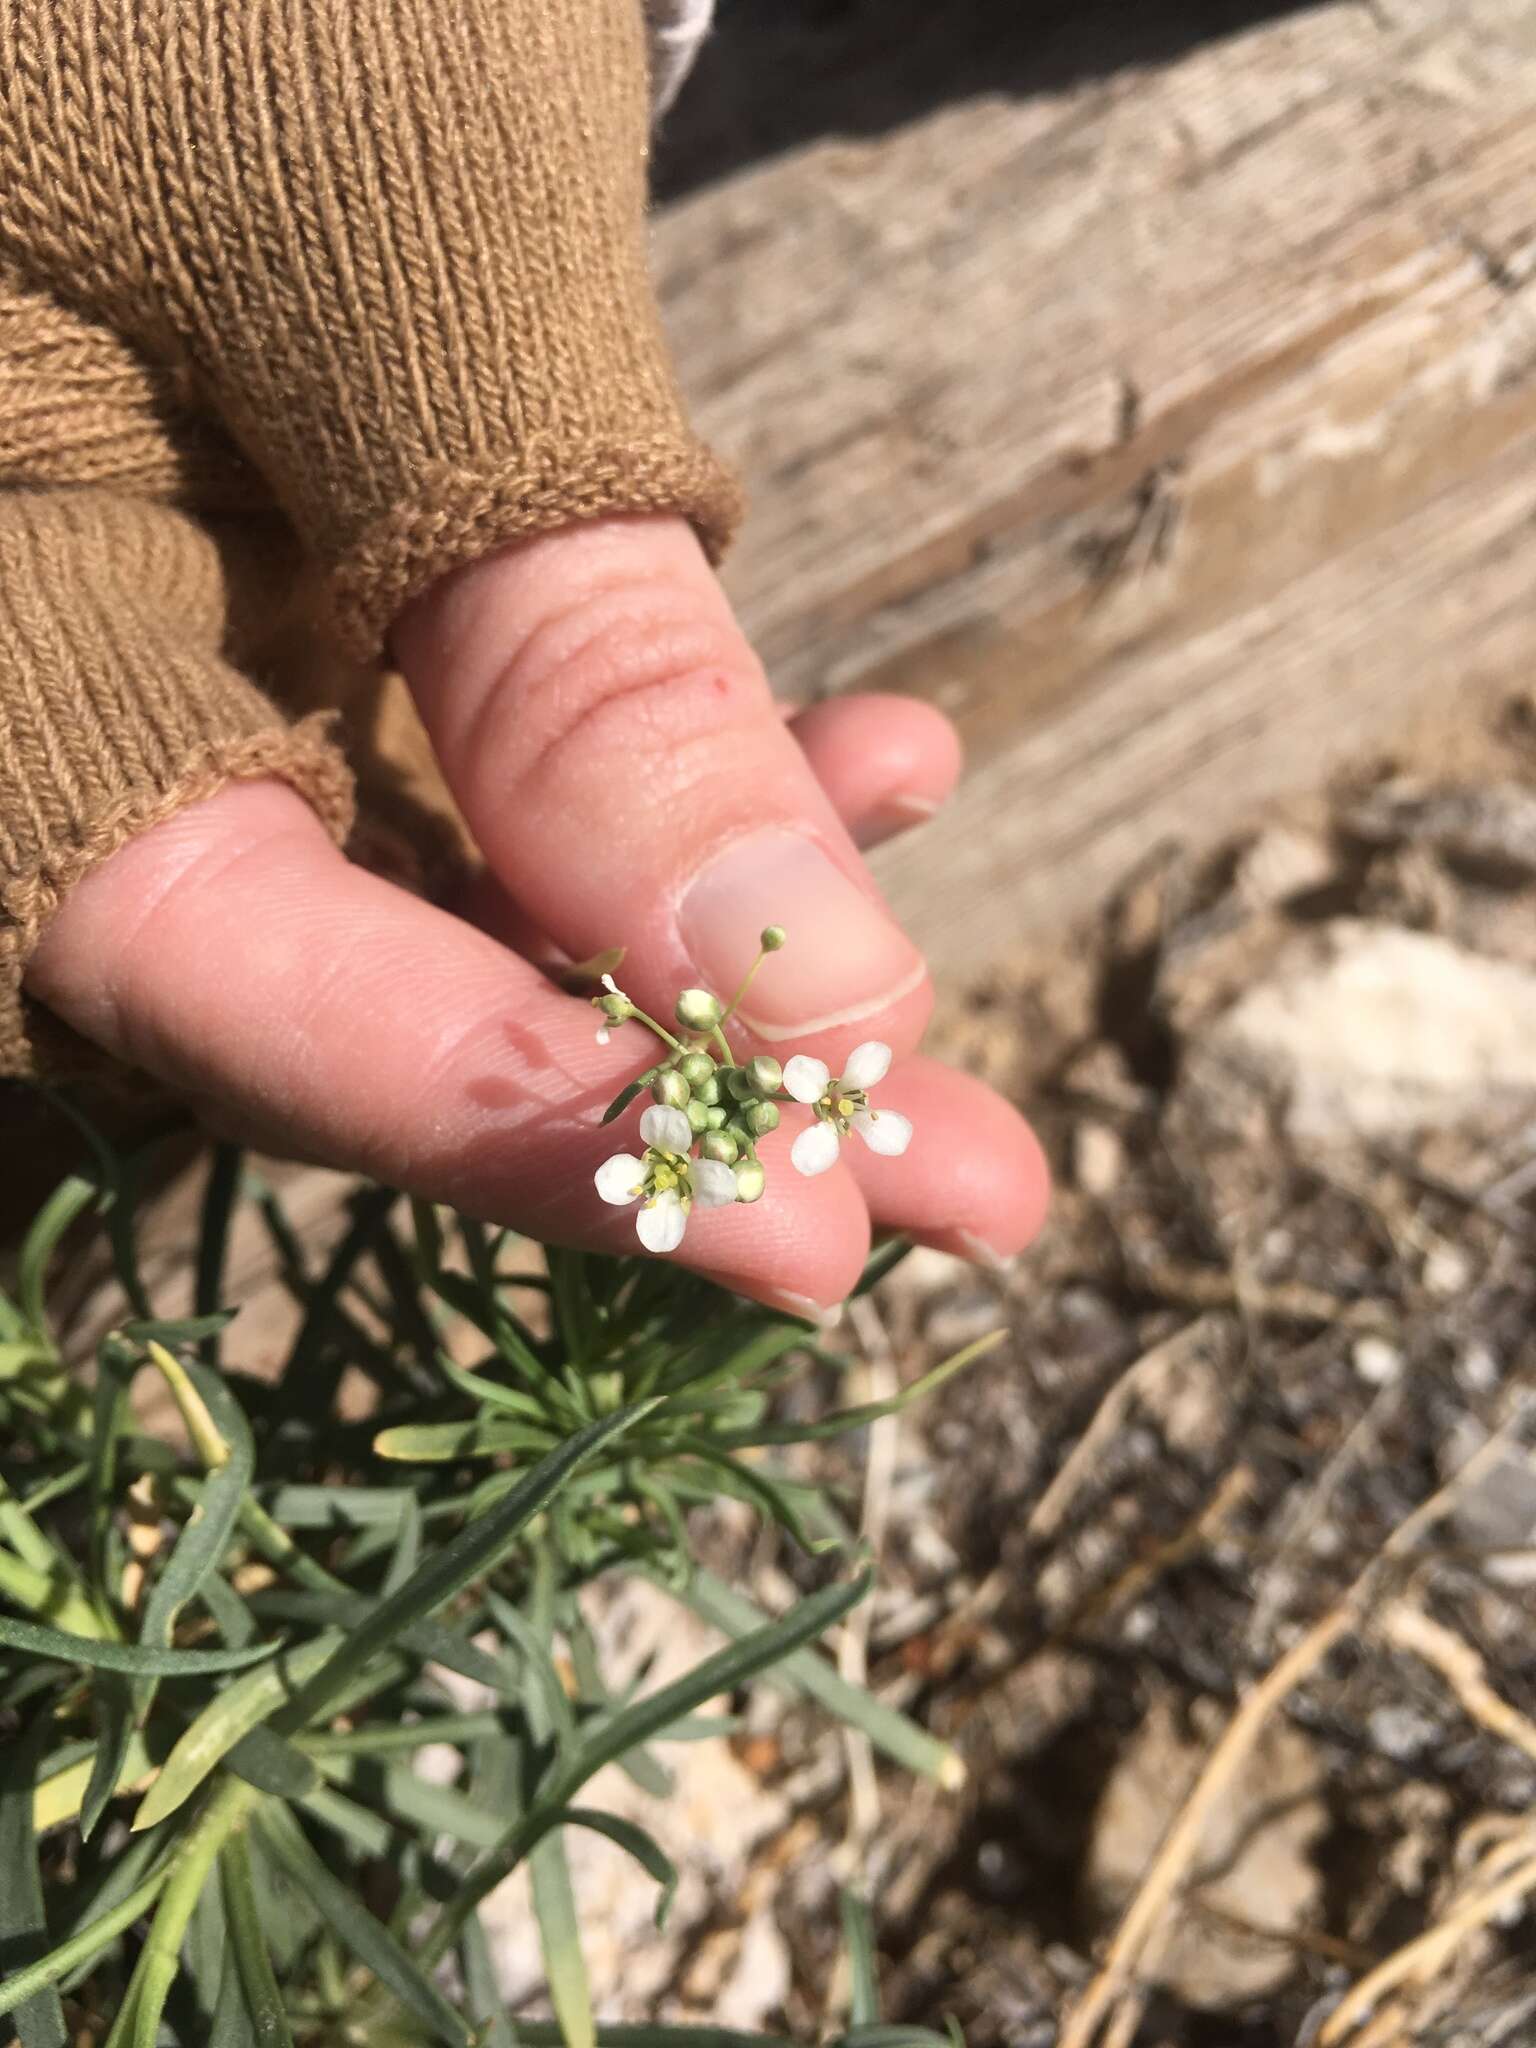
<point>81,1947</point>
<point>138,2021</point>
<point>660,1030</point>
<point>746,982</point>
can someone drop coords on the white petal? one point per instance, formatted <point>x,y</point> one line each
<point>713,1184</point>
<point>889,1133</point>
<point>620,1178</point>
<point>805,1078</point>
<point>814,1150</point>
<point>660,1224</point>
<point>667,1129</point>
<point>867,1064</point>
<point>611,985</point>
<point>602,1034</point>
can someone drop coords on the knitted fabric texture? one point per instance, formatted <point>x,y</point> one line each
<point>347,291</point>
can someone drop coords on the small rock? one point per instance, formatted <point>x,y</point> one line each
<point>1401,1733</point>
<point>1376,1361</point>
<point>1370,1031</point>
<point>1098,1159</point>
<point>1497,1513</point>
<point>1478,1369</point>
<point>1281,864</point>
<point>1489,826</point>
<point>1253,1861</point>
<point>1447,1271</point>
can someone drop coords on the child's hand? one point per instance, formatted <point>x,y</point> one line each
<point>613,744</point>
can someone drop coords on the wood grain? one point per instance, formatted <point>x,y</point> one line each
<point>1174,430</point>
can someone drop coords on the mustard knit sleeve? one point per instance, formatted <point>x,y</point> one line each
<point>394,248</point>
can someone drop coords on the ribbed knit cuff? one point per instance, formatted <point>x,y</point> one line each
<point>117,707</point>
<point>456,515</point>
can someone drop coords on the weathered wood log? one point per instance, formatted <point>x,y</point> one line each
<point>1174,429</point>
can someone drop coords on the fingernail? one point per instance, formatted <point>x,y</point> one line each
<point>808,1311</point>
<point>981,1253</point>
<point>895,814</point>
<point>845,959</point>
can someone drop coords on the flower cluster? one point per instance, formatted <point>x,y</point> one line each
<point>709,1111</point>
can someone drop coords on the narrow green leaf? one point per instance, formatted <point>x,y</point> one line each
<point>495,2029</point>
<point>223,1438</point>
<point>405,1736</point>
<point>467,1557</point>
<point>489,1393</point>
<point>406,1555</point>
<point>634,1725</point>
<point>884,1259</point>
<point>558,1716</point>
<point>220,1195</point>
<point>368,1939</point>
<point>359,1827</point>
<point>232,2025</point>
<point>845,1419</point>
<point>859,1939</point>
<point>804,1672</point>
<point>263,1997</point>
<point>39,2023</point>
<point>541,2034</point>
<point>893,2034</point>
<point>565,1968</point>
<point>645,1849</point>
<point>229,1716</point>
<point>32,1640</point>
<point>112,1708</point>
<point>69,1200</point>
<point>623,1099</point>
<point>337,1507</point>
<point>442,1443</point>
<point>272,1765</point>
<point>171,1331</point>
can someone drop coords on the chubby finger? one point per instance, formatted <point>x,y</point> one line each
<point>236,955</point>
<point>973,1180</point>
<point>887,763</point>
<point>612,740</point>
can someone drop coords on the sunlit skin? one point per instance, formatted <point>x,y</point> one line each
<point>606,731</point>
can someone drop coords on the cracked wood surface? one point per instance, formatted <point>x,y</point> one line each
<point>1174,428</point>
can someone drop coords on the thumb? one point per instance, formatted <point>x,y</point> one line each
<point>613,743</point>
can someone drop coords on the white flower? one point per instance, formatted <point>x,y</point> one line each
<point>666,1182</point>
<point>842,1105</point>
<point>613,1012</point>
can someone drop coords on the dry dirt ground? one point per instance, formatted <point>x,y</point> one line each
<point>1220,1572</point>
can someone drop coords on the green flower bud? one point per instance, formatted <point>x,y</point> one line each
<point>739,1083</point>
<point>738,1129</point>
<point>762,1117</point>
<point>719,1145</point>
<point>715,1115</point>
<point>670,1089</point>
<point>767,1075</point>
<point>698,1010</point>
<point>709,1091</point>
<point>699,1114</point>
<point>617,1009</point>
<point>750,1181</point>
<point>770,942</point>
<point>696,1069</point>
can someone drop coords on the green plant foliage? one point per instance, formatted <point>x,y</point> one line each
<point>219,1658</point>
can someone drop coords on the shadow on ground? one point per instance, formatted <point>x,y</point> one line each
<point>780,72</point>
